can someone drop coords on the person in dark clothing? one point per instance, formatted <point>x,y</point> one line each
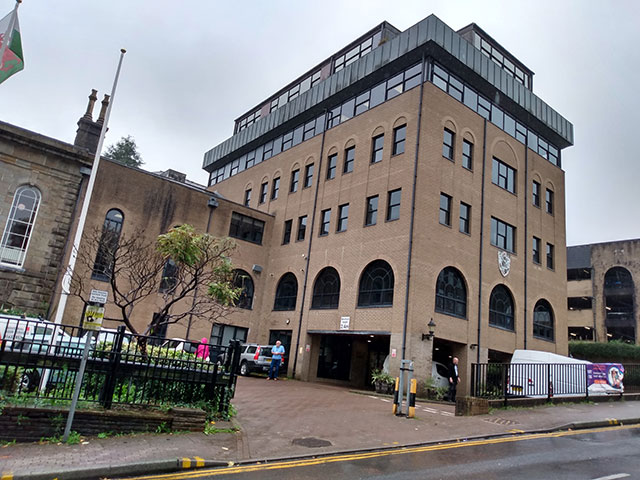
<point>454,379</point>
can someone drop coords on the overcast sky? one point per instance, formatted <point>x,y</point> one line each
<point>194,67</point>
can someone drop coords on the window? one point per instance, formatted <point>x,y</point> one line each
<point>371,215</point>
<point>467,154</point>
<point>325,220</point>
<point>535,193</point>
<point>399,138</point>
<point>451,293</point>
<point>295,178</point>
<point>580,303</point>
<point>445,209</point>
<point>308,175</point>
<point>503,175</point>
<point>549,201</point>
<point>19,226</point>
<point>502,235</point>
<point>536,250</point>
<point>349,159</point>
<point>302,227</point>
<point>332,162</point>
<point>574,274</point>
<point>243,280</point>
<point>377,146</point>
<point>393,204</point>
<point>343,217</point>
<point>103,266</point>
<point>288,226</point>
<point>465,218</point>
<point>550,256</point>
<point>223,334</point>
<point>286,293</point>
<point>275,188</point>
<point>247,197</point>
<point>376,285</point>
<point>169,277</point>
<point>263,192</point>
<point>246,228</point>
<point>326,289</point>
<point>543,320</point>
<point>447,144</point>
<point>501,308</point>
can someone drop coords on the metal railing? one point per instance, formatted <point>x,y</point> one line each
<point>122,368</point>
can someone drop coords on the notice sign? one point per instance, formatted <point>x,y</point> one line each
<point>98,296</point>
<point>93,318</point>
<point>393,353</point>
<point>344,323</point>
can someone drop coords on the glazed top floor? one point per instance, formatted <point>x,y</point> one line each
<point>470,55</point>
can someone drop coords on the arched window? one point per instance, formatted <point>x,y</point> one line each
<point>501,308</point>
<point>169,277</point>
<point>17,231</point>
<point>286,293</point>
<point>109,240</point>
<point>376,285</point>
<point>618,277</point>
<point>326,289</point>
<point>543,320</point>
<point>243,280</point>
<point>451,293</point>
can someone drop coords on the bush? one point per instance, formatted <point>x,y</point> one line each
<point>615,351</point>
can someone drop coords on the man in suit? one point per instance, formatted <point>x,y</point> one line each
<point>454,379</point>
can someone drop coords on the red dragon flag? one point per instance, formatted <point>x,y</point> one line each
<point>11,58</point>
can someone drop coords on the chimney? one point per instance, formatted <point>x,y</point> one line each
<point>88,133</point>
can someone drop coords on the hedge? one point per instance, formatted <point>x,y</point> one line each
<point>614,351</point>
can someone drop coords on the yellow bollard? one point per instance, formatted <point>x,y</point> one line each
<point>395,396</point>
<point>412,398</point>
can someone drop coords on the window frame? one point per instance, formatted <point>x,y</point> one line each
<point>295,180</point>
<point>264,189</point>
<point>467,157</point>
<point>448,299</point>
<point>321,299</point>
<point>101,271</point>
<point>380,286</point>
<point>536,243</point>
<point>448,149</point>
<point>399,143</point>
<point>550,256</point>
<point>548,201</point>
<point>541,330</point>
<point>286,232</point>
<point>505,176</point>
<point>508,228</point>
<point>343,218</point>
<point>13,224</point>
<point>535,193</point>
<point>507,321</point>
<point>332,166</point>
<point>325,222</point>
<point>371,213</point>
<point>377,151</point>
<point>302,228</point>
<point>308,175</point>
<point>282,302</point>
<point>445,210</point>
<point>247,197</point>
<point>465,221</point>
<point>349,160</point>
<point>275,188</point>
<point>391,206</point>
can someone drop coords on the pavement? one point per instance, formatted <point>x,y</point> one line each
<point>291,419</point>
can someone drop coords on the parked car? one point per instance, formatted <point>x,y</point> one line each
<point>255,358</point>
<point>440,374</point>
<point>180,345</point>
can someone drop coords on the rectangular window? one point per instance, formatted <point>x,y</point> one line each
<point>371,215</point>
<point>302,227</point>
<point>465,218</point>
<point>286,237</point>
<point>246,228</point>
<point>325,220</point>
<point>550,256</point>
<point>393,204</point>
<point>536,250</point>
<point>503,175</point>
<point>535,192</point>
<point>247,197</point>
<point>308,175</point>
<point>377,146</point>
<point>343,217</point>
<point>263,192</point>
<point>399,138</point>
<point>448,138</point>
<point>549,201</point>
<point>275,188</point>
<point>295,178</point>
<point>332,162</point>
<point>503,235</point>
<point>467,154</point>
<point>445,209</point>
<point>349,159</point>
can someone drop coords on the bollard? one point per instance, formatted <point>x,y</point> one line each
<point>412,398</point>
<point>395,396</point>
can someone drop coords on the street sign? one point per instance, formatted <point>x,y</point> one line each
<point>344,323</point>
<point>93,317</point>
<point>98,296</point>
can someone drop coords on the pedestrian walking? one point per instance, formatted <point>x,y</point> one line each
<point>203,350</point>
<point>277,354</point>
<point>454,379</point>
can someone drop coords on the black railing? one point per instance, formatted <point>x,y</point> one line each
<point>122,368</point>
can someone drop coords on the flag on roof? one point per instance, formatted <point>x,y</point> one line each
<point>11,58</point>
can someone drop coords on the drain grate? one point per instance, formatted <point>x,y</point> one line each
<point>501,421</point>
<point>311,442</point>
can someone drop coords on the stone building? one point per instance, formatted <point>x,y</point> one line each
<point>602,291</point>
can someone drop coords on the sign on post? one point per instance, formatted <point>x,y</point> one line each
<point>98,296</point>
<point>93,316</point>
<point>344,323</point>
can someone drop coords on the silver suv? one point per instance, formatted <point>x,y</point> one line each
<point>256,358</point>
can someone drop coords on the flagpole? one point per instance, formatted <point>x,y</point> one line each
<point>6,39</point>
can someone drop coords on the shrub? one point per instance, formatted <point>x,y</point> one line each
<point>614,351</point>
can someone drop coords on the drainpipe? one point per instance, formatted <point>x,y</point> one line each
<point>526,238</point>
<point>484,164</point>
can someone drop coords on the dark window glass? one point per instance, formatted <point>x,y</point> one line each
<point>465,218</point>
<point>503,175</point>
<point>550,260</point>
<point>372,211</point>
<point>394,86</point>
<point>295,178</point>
<point>445,209</point>
<point>325,220</point>
<point>467,154</point>
<point>399,138</point>
<point>447,144</point>
<point>347,110</point>
<point>243,280</point>
<point>377,95</point>
<point>615,278</point>
<point>501,312</point>
<point>543,320</point>
<point>362,102</point>
<point>332,162</point>
<point>535,192</point>
<point>349,159</point>
<point>308,175</point>
<point>393,204</point>
<point>286,293</point>
<point>247,197</point>
<point>275,188</point>
<point>377,146</point>
<point>309,130</point>
<point>451,293</point>
<point>326,290</point>
<point>536,250</point>
<point>302,227</point>
<point>376,285</point>
<point>549,201</point>
<point>263,192</point>
<point>109,242</point>
<point>502,235</point>
<point>169,277</point>
<point>343,217</point>
<point>288,226</point>
<point>246,228</point>
<point>287,141</point>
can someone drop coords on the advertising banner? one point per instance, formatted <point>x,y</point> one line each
<point>605,378</point>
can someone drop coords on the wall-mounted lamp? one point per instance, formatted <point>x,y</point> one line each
<point>432,327</point>
<point>473,346</point>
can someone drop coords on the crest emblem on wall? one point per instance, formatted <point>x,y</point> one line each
<point>504,263</point>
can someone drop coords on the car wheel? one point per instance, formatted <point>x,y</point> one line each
<point>244,369</point>
<point>29,381</point>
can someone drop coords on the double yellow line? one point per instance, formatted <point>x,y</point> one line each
<point>377,454</point>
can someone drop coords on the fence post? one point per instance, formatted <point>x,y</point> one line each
<point>106,396</point>
<point>586,382</point>
<point>505,375</point>
<point>550,382</point>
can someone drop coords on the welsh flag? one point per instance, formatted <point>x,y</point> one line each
<point>11,59</point>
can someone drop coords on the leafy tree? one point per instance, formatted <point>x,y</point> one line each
<point>125,151</point>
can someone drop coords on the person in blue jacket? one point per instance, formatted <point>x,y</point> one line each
<point>277,354</point>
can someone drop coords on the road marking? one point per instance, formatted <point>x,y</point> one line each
<point>385,453</point>
<point>613,477</point>
<point>447,414</point>
<point>385,400</point>
<point>430,410</point>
